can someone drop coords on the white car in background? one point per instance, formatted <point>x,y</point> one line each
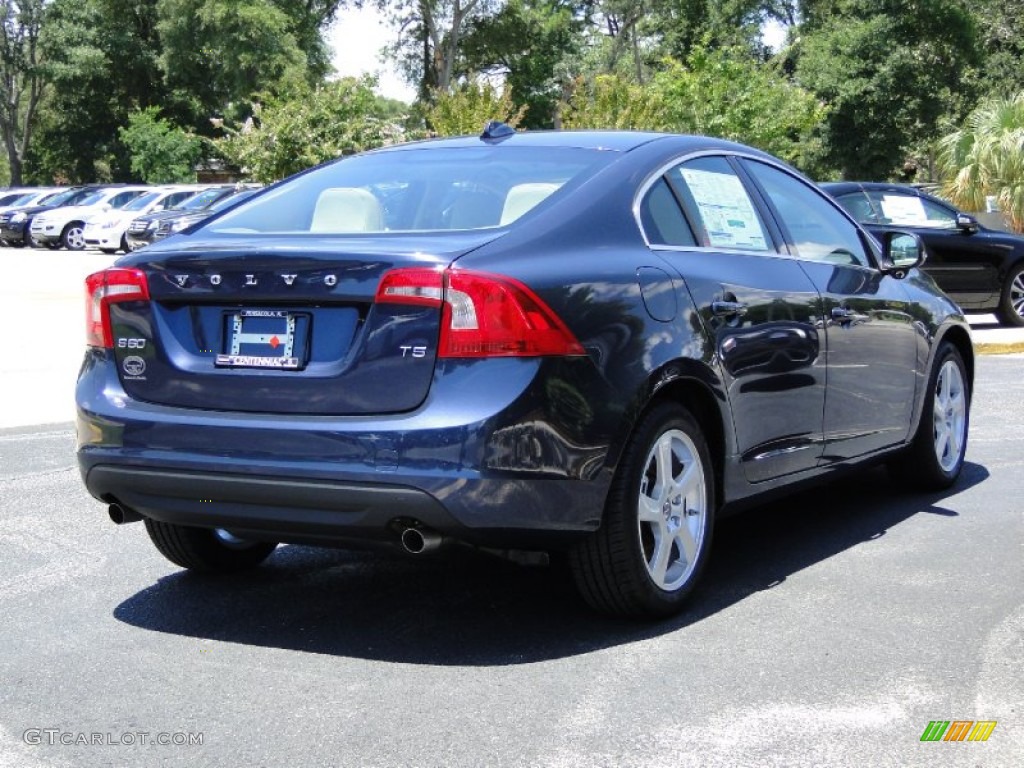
<point>26,197</point>
<point>106,230</point>
<point>64,226</point>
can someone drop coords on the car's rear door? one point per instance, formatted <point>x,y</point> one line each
<point>758,304</point>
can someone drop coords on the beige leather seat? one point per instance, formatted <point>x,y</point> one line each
<point>522,197</point>
<point>347,209</point>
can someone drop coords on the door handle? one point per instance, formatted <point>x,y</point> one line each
<point>847,316</point>
<point>722,308</point>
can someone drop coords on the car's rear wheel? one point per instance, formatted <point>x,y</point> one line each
<point>73,236</point>
<point>206,549</point>
<point>654,540</point>
<point>1011,302</point>
<point>936,456</point>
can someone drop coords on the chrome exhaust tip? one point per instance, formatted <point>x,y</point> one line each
<point>417,541</point>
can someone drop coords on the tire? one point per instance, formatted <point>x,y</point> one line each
<point>654,540</point>
<point>206,550</point>
<point>109,251</point>
<point>73,236</point>
<point>936,456</point>
<point>1011,302</point>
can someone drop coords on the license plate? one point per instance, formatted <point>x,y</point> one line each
<point>260,338</point>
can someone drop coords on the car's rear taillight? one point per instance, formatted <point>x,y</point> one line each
<point>102,289</point>
<point>483,315</point>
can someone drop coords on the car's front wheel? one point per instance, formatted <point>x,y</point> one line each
<point>1011,301</point>
<point>206,549</point>
<point>73,236</point>
<point>936,456</point>
<point>654,540</point>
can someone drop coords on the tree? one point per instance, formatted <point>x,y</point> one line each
<point>525,42</point>
<point>717,92</point>
<point>22,81</point>
<point>986,157</point>
<point>160,152</point>
<point>466,109</point>
<point>291,134</point>
<point>612,102</point>
<point>102,62</point>
<point>890,70</point>
<point>1001,31</point>
<point>683,25</point>
<point>430,38</point>
<point>727,92</point>
<point>222,52</point>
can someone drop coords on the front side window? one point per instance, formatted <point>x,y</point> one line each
<point>416,190</point>
<point>911,211</point>
<point>720,204</point>
<point>817,229</point>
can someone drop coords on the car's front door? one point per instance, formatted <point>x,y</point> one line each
<point>872,339</point>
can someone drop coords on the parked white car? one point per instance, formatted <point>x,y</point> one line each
<point>64,226</point>
<point>106,229</point>
<point>28,197</point>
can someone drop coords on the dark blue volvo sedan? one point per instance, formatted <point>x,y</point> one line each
<point>593,343</point>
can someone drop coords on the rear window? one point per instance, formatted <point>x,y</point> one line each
<point>417,190</point>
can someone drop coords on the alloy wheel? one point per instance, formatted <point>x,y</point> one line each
<point>949,415</point>
<point>672,509</point>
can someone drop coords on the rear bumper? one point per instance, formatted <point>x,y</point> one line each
<point>278,508</point>
<point>483,465</point>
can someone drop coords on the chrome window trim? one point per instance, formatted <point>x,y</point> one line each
<point>652,179</point>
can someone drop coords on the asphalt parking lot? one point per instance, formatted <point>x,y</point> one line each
<point>833,625</point>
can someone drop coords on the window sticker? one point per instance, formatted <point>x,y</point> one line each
<point>902,210</point>
<point>729,216</point>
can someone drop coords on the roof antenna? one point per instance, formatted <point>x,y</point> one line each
<point>495,129</point>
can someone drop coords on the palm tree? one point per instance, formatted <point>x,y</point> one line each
<point>986,158</point>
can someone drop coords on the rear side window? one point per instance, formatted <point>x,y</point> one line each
<point>417,190</point>
<point>858,206</point>
<point>721,206</point>
<point>662,218</point>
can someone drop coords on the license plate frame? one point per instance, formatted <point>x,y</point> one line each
<point>249,333</point>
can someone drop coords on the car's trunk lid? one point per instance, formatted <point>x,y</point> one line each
<point>282,327</point>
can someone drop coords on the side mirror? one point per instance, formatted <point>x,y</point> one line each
<point>901,252</point>
<point>967,223</point>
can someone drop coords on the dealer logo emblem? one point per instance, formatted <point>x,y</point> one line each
<point>134,366</point>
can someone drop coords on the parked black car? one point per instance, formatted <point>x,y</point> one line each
<point>981,269</point>
<point>594,342</point>
<point>143,230</point>
<point>181,220</point>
